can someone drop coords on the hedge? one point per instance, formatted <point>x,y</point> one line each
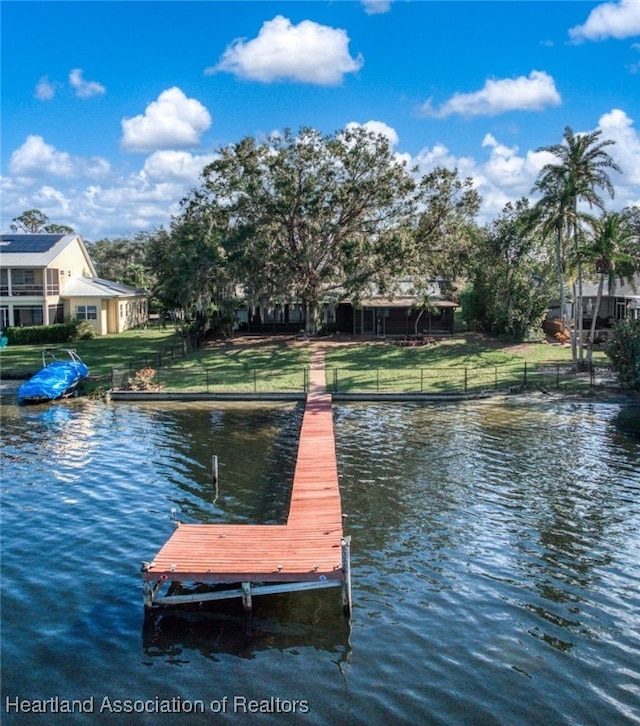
<point>41,334</point>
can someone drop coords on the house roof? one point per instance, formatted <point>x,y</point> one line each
<point>622,289</point>
<point>97,287</point>
<point>36,250</point>
<point>402,302</point>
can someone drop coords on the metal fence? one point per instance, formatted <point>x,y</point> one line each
<point>427,380</point>
<point>212,380</point>
<point>464,379</point>
<point>168,355</point>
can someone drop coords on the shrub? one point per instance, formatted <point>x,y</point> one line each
<point>623,347</point>
<point>143,381</point>
<point>45,334</point>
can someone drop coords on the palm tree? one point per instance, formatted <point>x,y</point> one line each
<point>582,166</point>
<point>426,305</point>
<point>551,212</point>
<point>613,258</point>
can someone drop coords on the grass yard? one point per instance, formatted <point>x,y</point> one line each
<point>466,362</point>
<point>100,354</point>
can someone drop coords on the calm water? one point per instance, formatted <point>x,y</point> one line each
<point>495,565</point>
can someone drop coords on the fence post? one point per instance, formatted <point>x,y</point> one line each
<point>207,374</point>
<point>335,380</point>
<point>377,380</point>
<point>466,379</point>
<point>524,382</point>
<point>557,376</point>
<point>255,380</point>
<point>422,380</point>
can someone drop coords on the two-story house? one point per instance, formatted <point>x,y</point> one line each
<point>47,278</point>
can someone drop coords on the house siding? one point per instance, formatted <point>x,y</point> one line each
<point>33,284</point>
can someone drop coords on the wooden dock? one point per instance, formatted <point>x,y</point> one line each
<point>242,560</point>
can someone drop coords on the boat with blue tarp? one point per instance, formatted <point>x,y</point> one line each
<point>56,379</point>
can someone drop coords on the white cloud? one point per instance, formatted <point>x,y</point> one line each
<point>37,159</point>
<point>374,7</point>
<point>84,89</point>
<point>377,127</point>
<point>173,121</point>
<point>509,174</point>
<point>609,20</point>
<point>625,152</point>
<point>176,166</point>
<point>531,93</point>
<point>90,196</point>
<point>306,53</point>
<point>45,89</point>
<point>108,204</point>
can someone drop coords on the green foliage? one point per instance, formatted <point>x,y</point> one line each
<point>307,214</point>
<point>68,332</point>
<point>581,167</point>
<point>473,307</point>
<point>33,221</point>
<point>446,231</point>
<point>511,279</point>
<point>623,348</point>
<point>30,221</point>
<point>123,260</point>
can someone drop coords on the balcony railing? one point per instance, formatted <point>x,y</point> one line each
<point>22,290</point>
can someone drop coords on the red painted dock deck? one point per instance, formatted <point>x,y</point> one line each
<point>308,551</point>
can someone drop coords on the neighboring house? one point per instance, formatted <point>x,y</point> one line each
<point>373,315</point>
<point>620,301</point>
<point>46,278</point>
<point>394,316</point>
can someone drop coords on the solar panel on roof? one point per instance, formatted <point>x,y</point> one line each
<point>28,242</point>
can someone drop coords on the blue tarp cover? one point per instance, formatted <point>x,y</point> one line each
<point>53,381</point>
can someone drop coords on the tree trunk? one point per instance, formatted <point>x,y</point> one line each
<point>596,311</point>
<point>311,311</point>
<point>563,297</point>
<point>580,317</point>
<point>417,321</point>
<point>574,332</point>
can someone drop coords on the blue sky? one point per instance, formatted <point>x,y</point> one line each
<point>111,109</point>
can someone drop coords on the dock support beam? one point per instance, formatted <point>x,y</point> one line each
<point>346,570</point>
<point>246,595</point>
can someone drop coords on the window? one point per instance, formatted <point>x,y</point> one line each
<point>26,315</point>
<point>53,286</point>
<point>23,282</point>
<point>87,312</point>
<point>55,314</point>
<point>23,277</point>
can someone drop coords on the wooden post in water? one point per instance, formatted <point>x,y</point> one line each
<point>346,570</point>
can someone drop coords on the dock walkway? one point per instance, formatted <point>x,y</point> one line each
<point>307,552</point>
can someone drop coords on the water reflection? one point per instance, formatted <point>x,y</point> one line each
<point>283,622</point>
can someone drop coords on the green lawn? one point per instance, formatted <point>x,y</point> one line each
<point>100,354</point>
<point>467,362</point>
